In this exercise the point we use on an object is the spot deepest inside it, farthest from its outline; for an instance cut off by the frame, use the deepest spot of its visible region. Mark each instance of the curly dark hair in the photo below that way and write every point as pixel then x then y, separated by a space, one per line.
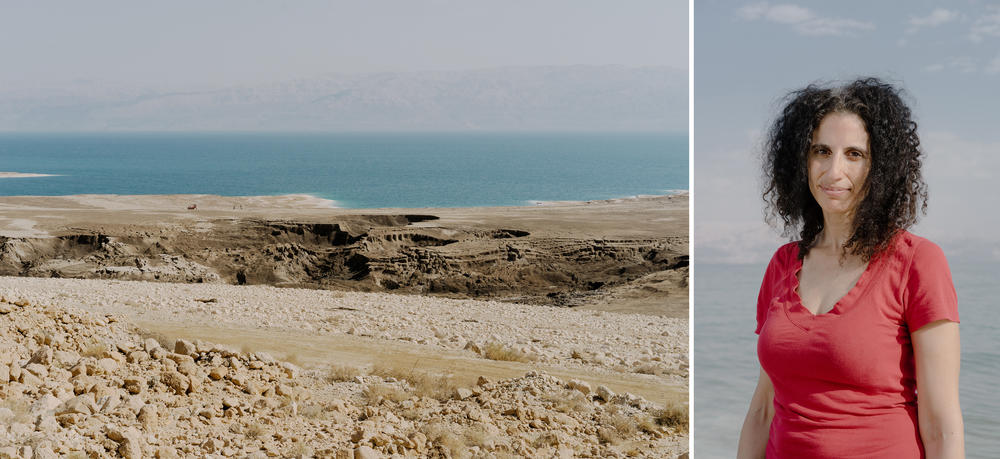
pixel 893 191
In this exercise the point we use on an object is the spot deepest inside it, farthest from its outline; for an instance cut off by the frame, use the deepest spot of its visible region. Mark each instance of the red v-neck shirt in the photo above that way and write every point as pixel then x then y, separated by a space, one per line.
pixel 844 382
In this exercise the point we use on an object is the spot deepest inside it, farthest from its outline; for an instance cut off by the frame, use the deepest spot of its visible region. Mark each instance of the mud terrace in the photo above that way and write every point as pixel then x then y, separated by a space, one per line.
pixel 92 368
pixel 622 255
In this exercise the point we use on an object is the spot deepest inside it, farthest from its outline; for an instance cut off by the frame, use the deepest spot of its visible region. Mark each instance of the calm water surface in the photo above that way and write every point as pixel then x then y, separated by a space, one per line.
pixel 355 170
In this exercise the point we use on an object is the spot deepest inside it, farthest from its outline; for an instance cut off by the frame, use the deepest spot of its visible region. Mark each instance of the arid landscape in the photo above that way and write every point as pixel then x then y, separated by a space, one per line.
pixel 280 327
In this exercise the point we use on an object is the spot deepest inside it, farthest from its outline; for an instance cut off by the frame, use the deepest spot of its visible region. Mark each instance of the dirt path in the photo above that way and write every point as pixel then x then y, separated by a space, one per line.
pixel 362 352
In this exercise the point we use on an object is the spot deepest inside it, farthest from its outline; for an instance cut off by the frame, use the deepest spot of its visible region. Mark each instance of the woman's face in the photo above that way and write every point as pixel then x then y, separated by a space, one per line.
pixel 838 161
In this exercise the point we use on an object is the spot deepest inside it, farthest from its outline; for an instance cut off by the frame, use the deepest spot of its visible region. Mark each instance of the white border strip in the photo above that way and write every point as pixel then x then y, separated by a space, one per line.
pixel 691 235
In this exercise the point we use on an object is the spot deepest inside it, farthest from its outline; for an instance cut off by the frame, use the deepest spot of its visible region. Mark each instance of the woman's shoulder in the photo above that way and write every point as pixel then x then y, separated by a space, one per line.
pixel 909 255
pixel 910 247
pixel 784 256
pixel 789 251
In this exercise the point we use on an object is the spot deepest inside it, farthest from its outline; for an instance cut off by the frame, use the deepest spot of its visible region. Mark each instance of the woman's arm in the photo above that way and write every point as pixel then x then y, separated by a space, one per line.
pixel 936 352
pixel 757 425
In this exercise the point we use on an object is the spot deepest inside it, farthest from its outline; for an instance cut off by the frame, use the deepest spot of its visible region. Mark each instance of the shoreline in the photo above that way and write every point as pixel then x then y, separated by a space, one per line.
pixel 300 200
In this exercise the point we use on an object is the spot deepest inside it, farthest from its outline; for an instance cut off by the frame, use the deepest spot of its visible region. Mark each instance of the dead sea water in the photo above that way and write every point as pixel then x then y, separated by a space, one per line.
pixel 357 170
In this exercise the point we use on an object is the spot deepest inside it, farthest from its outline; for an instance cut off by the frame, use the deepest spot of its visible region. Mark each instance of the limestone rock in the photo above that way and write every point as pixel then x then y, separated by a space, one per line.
pixel 604 393
pixel 176 381
pixel 366 452
pixel 81 404
pixel 148 418
pixel 579 385
pixel 185 347
pixel 134 384
pixel 129 441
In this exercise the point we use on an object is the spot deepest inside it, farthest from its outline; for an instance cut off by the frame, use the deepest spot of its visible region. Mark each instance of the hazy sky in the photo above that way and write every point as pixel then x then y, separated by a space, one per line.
pixel 182 44
pixel 750 54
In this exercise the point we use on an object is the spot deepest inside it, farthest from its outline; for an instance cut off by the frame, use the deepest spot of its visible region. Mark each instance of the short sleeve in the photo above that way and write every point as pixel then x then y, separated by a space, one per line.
pixel 929 293
pixel 767 286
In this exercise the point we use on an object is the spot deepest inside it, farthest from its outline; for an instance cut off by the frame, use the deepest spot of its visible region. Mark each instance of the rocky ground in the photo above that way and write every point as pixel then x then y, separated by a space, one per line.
pixel 80 384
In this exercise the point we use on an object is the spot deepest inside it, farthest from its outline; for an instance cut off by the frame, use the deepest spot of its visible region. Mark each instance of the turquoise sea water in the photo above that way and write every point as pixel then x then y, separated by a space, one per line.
pixel 725 358
pixel 355 170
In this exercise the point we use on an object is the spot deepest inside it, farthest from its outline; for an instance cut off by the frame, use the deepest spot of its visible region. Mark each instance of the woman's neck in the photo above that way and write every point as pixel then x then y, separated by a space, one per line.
pixel 837 229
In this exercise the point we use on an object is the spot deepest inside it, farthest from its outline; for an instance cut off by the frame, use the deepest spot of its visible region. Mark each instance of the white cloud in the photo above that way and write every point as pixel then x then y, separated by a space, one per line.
pixel 987 25
pixel 961 64
pixel 802 20
pixel 934 19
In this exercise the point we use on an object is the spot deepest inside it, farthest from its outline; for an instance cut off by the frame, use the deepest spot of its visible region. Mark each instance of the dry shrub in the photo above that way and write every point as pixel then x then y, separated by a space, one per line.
pixel 341 373
pixel 423 384
pixel 442 435
pixel 497 351
pixel 569 401
pixel 608 435
pixel 254 430
pixel 311 411
pixel 646 423
pixel 375 393
pixel 411 414
pixel 479 435
pixel 625 425
pixel 164 340
pixel 545 439
pixel 649 369
pixel 94 349
pixel 674 415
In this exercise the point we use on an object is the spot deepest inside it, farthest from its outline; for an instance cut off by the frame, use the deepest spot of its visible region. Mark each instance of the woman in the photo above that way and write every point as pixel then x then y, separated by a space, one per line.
pixel 858 320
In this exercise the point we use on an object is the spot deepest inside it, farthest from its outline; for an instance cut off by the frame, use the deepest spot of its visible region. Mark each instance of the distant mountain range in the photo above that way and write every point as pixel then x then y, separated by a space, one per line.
pixel 565 98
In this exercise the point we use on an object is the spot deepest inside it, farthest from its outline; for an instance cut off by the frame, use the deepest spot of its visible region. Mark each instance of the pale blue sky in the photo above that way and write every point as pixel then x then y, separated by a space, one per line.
pixel 189 44
pixel 749 54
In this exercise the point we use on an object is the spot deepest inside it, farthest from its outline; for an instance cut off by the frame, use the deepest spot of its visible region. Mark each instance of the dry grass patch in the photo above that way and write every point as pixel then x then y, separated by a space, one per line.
pixel 423 384
pixel 93 348
pixel 376 393
pixel 674 415
pixel 622 423
pixel 442 435
pixel 545 439
pixel 649 368
pixel 164 340
pixel 479 435
pixel 341 373
pixel 498 351
pixel 255 430
pixel 311 411
pixel 569 401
